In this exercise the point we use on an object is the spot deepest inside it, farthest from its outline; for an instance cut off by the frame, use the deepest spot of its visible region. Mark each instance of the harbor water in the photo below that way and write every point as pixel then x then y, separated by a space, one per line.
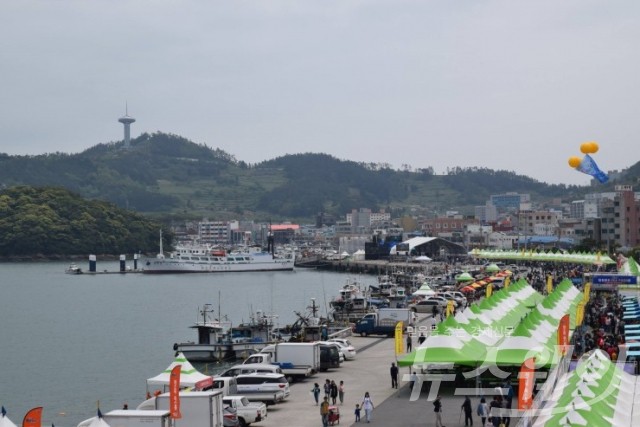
pixel 70 341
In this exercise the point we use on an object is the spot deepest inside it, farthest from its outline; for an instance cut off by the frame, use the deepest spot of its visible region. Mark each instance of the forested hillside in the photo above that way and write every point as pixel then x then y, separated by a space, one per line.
pixel 54 221
pixel 169 177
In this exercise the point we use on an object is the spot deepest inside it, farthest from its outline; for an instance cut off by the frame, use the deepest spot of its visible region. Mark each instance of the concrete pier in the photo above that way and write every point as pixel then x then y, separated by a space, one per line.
pixel 368 372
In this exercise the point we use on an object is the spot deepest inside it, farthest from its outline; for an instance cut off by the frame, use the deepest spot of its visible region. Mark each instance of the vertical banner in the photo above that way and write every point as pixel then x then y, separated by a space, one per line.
pixel 563 334
pixel 33 418
pixel 507 282
pixel 549 284
pixel 580 313
pixel 174 392
pixel 449 307
pixel 526 380
pixel 587 292
pixel 398 337
pixel 489 290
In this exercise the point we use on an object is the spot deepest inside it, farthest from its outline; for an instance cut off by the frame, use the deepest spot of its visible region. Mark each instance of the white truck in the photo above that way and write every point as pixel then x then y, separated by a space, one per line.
pixel 296 359
pixel 248 412
pixel 125 418
pixel 198 408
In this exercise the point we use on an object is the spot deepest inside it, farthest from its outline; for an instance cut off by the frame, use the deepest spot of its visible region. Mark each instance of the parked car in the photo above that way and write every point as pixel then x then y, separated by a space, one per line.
pixel 347 349
pixel 230 417
pixel 442 301
pixel 457 296
pixel 425 306
pixel 338 347
pixel 250 368
pixel 262 383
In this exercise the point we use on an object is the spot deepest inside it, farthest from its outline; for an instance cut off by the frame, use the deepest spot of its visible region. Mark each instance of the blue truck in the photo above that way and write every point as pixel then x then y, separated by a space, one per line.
pixel 383 321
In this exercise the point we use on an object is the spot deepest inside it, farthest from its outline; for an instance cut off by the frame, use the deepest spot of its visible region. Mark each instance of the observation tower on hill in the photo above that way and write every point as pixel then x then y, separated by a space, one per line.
pixel 126 120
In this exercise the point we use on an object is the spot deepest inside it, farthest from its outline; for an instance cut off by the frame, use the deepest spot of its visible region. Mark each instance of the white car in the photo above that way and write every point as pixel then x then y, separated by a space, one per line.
pixel 458 297
pixel 260 383
pixel 347 350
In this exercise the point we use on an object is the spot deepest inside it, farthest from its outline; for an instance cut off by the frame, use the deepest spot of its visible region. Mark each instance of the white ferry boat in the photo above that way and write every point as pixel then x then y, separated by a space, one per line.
pixel 207 259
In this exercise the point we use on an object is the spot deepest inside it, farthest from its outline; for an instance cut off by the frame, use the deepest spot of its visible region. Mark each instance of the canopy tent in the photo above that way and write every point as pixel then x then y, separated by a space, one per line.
pixel 189 376
pixel 492 268
pixel 630 267
pixel 596 393
pixel 424 290
pixel 4 421
pixel 464 277
pixel 422 258
pixel 530 255
pixel 515 323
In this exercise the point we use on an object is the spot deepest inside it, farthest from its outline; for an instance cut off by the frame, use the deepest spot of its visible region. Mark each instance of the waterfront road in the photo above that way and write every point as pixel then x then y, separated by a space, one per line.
pixel 368 372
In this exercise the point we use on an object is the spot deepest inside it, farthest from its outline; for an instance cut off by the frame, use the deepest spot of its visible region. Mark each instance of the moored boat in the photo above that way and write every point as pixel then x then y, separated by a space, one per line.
pixel 204 258
pixel 73 269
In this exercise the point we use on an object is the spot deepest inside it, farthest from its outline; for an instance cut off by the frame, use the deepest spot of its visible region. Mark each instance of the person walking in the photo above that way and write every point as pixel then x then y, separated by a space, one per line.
pixel 367 405
pixel 324 412
pixel 437 409
pixel 421 338
pixel 341 392
pixel 394 375
pixel 334 392
pixel 483 411
pixel 468 410
pixel 316 392
pixel 327 388
pixel 409 343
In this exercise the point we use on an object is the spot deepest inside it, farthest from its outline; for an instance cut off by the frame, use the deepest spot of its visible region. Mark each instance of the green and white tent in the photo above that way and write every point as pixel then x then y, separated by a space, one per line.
pixel 530 255
pixel 504 329
pixel 596 394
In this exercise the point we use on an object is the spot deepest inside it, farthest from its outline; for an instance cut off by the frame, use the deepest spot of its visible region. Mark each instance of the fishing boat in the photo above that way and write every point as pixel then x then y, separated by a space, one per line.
pixel 218 340
pixel 204 258
pixel 73 269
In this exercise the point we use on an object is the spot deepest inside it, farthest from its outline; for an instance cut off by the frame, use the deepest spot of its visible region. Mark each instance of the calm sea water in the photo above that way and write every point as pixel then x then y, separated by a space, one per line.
pixel 67 341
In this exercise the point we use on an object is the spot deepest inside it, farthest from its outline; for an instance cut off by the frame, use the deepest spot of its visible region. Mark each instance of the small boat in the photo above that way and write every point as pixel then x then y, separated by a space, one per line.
pixel 73 269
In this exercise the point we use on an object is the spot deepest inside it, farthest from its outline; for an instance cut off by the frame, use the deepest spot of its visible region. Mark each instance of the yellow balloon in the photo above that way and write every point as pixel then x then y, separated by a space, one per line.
pixel 574 161
pixel 589 147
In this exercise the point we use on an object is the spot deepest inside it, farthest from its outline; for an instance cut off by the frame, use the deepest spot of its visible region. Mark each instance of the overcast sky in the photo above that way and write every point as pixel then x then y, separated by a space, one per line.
pixel 514 85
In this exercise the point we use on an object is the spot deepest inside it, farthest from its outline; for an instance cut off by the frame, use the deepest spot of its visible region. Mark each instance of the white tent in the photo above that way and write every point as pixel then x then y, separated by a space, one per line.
pixel 189 376
pixel 422 258
pixel 358 255
pixel 6 422
pixel 424 290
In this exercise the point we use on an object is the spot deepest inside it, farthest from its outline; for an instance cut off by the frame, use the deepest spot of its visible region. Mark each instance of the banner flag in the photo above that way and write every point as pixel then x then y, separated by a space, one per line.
pixel 174 392
pixel 526 381
pixel 587 291
pixel 33 418
pixel 507 282
pixel 398 337
pixel 489 290
pixel 563 334
pixel 549 284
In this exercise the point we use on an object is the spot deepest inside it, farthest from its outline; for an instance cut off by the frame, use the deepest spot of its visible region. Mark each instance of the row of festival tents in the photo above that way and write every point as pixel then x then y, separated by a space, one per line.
pixel 505 329
pixel 531 255
pixel 597 393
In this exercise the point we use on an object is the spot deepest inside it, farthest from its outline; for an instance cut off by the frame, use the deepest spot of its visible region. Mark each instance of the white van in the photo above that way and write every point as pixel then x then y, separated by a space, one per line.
pixel 250 368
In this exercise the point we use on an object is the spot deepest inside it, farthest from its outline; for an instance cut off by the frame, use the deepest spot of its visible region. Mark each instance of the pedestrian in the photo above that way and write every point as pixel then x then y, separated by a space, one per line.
pixel 506 420
pixel 125 406
pixel 494 411
pixel 367 405
pixel 468 410
pixel 437 408
pixel 483 411
pixel 394 375
pixel 324 412
pixel 334 392
pixel 327 388
pixel 421 338
pixel 357 413
pixel 408 342
pixel 414 378
pixel 341 392
pixel 316 392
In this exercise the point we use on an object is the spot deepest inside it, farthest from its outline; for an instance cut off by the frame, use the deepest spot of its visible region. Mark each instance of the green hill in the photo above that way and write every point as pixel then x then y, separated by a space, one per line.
pixel 169 177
